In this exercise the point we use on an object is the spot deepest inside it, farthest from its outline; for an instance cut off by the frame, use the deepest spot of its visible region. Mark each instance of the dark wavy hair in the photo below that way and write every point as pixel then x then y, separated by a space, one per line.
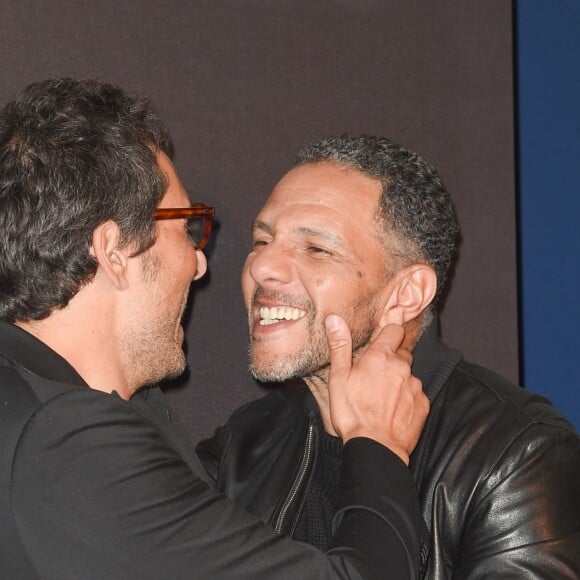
pixel 414 205
pixel 73 154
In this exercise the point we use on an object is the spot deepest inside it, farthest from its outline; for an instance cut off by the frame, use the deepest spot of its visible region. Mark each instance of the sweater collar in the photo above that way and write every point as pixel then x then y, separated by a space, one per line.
pixel 433 361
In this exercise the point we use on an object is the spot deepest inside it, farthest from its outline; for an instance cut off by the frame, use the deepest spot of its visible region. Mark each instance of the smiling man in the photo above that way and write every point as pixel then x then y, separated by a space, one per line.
pixel 309 259
pixel 365 228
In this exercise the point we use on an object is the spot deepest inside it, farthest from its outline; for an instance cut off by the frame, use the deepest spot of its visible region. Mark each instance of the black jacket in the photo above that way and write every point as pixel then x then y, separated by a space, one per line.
pixel 94 487
pixel 497 469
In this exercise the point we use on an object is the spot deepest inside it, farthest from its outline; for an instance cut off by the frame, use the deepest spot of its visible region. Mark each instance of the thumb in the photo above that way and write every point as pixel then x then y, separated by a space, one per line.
pixel 339 346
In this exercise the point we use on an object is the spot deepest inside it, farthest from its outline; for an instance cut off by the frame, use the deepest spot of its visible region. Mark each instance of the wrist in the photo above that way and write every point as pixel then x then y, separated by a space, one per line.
pixel 399 451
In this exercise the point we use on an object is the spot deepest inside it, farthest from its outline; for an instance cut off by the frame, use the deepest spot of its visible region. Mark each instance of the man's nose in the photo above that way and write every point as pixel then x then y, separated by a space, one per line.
pixel 201 265
pixel 272 265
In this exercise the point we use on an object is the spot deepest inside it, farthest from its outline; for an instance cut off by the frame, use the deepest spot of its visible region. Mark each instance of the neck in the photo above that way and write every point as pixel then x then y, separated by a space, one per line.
pixel 318 386
pixel 82 334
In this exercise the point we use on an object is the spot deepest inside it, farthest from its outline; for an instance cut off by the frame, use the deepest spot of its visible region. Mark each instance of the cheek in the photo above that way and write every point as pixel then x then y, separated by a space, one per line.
pixel 336 292
pixel 186 267
pixel 327 281
pixel 246 280
pixel 326 293
pixel 191 260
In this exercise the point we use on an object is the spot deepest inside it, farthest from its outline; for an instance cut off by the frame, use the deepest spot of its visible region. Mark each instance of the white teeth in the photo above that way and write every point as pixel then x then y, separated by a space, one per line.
pixel 276 313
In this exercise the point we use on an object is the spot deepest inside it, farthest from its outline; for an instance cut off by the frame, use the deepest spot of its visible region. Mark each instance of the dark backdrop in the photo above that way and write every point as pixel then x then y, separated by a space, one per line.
pixel 243 83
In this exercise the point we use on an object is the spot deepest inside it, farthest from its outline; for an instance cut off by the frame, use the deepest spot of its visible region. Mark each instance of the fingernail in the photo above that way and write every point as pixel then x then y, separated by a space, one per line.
pixel 332 323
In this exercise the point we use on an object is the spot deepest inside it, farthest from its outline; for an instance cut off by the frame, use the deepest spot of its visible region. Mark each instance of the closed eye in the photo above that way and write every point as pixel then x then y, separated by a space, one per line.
pixel 259 243
pixel 318 250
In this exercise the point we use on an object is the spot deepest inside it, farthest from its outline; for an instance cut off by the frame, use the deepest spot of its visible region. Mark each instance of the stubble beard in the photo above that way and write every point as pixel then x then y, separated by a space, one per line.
pixel 313 359
pixel 166 362
pixel 154 353
pixel 154 350
pixel 277 368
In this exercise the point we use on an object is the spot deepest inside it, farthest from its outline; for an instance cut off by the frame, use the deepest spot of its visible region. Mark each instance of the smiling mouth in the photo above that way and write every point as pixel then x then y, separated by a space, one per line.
pixel 276 314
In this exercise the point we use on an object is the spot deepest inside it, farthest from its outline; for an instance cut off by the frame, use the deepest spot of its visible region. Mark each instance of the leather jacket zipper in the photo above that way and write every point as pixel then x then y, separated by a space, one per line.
pixel 305 464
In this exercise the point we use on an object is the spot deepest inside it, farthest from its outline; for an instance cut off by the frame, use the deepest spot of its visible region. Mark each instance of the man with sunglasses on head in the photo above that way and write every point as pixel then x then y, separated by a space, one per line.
pixel 365 227
pixel 96 479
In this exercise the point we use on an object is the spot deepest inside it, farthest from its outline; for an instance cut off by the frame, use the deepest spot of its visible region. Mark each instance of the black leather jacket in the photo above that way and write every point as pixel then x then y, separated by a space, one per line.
pixel 497 469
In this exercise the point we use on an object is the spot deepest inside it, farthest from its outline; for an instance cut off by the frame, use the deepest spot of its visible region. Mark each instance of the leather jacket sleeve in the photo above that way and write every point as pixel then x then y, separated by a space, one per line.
pixel 524 520
pixel 498 472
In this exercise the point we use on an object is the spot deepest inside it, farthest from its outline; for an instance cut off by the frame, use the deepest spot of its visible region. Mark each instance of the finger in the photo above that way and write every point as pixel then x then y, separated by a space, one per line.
pixel 339 345
pixel 405 355
pixel 389 338
pixel 415 386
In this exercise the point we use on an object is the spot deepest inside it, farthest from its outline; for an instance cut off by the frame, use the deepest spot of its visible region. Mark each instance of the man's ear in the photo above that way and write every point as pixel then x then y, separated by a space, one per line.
pixel 410 291
pixel 112 260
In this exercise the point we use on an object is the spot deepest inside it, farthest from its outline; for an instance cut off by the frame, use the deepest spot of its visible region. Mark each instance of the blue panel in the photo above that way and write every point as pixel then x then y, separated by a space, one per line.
pixel 548 87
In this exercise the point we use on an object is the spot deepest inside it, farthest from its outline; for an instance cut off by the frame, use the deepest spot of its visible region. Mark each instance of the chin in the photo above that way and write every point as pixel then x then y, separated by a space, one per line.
pixel 277 370
pixel 269 365
pixel 168 376
pixel 270 375
pixel 167 372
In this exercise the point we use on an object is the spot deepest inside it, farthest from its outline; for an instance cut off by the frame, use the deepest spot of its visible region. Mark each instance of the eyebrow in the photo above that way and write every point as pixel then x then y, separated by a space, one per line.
pixel 259 225
pixel 304 231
